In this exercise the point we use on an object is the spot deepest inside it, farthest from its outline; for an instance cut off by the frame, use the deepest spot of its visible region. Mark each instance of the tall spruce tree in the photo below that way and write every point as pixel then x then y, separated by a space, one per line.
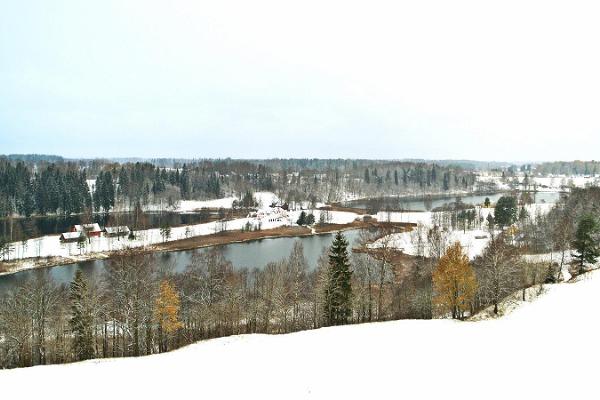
pixel 301 219
pixel 506 211
pixel 81 318
pixel 338 288
pixel 586 241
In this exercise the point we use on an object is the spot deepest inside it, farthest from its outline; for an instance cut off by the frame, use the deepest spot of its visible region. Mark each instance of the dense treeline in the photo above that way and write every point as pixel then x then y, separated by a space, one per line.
pixel 47 189
pixel 588 168
pixel 33 185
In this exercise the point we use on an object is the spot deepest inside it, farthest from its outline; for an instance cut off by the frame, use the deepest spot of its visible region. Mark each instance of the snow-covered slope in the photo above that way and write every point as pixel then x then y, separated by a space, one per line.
pixel 546 349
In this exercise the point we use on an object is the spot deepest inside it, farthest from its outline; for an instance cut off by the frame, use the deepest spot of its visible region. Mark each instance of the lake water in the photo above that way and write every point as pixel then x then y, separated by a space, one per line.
pixel 256 253
pixel 418 204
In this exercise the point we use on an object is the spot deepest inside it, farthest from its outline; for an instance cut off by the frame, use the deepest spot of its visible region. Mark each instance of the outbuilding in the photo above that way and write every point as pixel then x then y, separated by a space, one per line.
pixel 89 229
pixel 115 231
pixel 69 237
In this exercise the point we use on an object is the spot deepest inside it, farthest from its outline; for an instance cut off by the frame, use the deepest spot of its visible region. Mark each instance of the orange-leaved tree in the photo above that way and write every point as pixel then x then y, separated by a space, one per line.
pixel 454 282
pixel 166 313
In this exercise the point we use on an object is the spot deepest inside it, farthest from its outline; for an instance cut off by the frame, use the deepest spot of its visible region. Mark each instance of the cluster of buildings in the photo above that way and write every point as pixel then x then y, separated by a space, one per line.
pixel 273 213
pixel 92 230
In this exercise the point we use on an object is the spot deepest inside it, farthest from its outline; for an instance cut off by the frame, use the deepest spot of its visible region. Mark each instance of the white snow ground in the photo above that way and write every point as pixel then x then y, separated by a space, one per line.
pixel 546 349
pixel 50 246
pixel 474 241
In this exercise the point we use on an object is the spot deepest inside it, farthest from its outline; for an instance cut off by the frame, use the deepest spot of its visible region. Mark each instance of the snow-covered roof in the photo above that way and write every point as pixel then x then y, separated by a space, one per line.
pixel 70 235
pixel 88 228
pixel 92 227
pixel 116 229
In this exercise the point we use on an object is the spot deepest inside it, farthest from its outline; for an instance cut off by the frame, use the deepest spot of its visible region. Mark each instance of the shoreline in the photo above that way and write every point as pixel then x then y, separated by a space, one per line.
pixel 196 242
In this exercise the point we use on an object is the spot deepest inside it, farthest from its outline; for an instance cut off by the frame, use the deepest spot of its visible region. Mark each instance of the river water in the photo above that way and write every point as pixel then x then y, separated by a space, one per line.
pixel 257 253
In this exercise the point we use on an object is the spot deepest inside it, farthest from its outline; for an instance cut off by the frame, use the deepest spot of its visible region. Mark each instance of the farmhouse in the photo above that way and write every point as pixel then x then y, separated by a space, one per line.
pixel 89 229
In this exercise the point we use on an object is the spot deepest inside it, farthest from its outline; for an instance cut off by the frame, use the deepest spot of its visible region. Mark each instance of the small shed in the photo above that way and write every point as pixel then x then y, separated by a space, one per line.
pixel 114 231
pixel 68 237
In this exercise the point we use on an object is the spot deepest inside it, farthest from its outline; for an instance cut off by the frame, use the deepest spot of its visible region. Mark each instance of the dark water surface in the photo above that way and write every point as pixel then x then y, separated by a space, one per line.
pixel 256 253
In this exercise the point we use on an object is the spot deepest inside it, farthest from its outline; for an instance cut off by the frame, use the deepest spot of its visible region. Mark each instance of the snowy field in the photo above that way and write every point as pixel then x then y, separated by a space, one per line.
pixel 474 241
pixel 264 199
pixel 545 183
pixel 51 246
pixel 546 349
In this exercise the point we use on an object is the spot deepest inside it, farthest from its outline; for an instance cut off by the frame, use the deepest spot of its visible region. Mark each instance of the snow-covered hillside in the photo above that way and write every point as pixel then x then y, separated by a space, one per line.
pixel 545 349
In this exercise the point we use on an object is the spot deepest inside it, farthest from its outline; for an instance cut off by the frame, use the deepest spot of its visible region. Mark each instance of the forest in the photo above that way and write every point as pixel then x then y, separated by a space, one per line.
pixel 138 306
pixel 35 186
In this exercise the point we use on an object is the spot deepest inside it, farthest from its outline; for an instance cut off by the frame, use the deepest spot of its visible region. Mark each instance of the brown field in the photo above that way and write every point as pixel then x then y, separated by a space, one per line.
pixel 231 237
pixel 339 207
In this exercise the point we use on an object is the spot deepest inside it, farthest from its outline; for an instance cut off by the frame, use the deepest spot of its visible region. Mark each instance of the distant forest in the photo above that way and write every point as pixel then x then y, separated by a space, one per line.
pixel 569 168
pixel 43 185
pixel 50 185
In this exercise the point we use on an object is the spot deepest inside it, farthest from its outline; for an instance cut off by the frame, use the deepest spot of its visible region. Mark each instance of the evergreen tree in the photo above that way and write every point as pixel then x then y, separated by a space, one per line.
pixel 98 191
pixel 446 181
pixel 108 200
pixel 586 241
pixel 81 318
pixel 310 219
pixel 367 176
pixel 491 222
pixel 248 200
pixel 104 195
pixel 184 183
pixel 165 231
pixel 487 202
pixel 506 211
pixel 338 288
pixel 301 219
pixel 123 183
pixel 28 201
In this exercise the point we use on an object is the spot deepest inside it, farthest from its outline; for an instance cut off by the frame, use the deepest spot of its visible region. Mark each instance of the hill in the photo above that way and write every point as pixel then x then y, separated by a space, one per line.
pixel 544 349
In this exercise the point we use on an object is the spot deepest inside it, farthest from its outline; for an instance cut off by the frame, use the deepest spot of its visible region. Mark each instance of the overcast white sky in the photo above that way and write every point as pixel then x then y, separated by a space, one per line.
pixel 501 80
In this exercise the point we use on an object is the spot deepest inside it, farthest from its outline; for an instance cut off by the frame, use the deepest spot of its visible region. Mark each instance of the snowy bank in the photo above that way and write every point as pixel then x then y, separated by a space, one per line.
pixel 516 356
pixel 99 247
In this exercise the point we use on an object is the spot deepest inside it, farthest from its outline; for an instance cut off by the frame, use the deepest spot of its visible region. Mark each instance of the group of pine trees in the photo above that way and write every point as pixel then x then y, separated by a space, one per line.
pixel 422 175
pixel 47 186
pixel 50 189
